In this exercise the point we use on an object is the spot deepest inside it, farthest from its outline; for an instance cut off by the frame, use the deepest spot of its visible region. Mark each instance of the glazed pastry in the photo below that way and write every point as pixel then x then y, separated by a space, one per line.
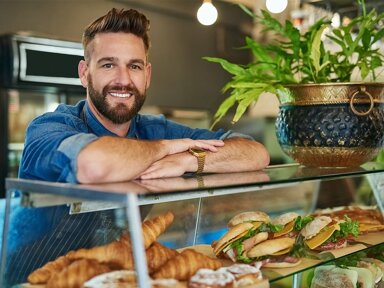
pixel 42 275
pixel 117 254
pixel 152 228
pixel 185 264
pixel 207 278
pixel 76 274
pixel 167 283
pixel 114 279
pixel 157 255
pixel 244 274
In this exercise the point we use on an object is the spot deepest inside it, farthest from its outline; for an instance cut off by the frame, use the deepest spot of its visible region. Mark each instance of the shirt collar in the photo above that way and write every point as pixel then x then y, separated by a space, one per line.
pixel 97 128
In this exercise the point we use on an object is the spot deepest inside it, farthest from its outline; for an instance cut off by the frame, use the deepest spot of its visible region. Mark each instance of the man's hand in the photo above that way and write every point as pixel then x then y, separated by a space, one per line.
pixel 170 166
pixel 180 145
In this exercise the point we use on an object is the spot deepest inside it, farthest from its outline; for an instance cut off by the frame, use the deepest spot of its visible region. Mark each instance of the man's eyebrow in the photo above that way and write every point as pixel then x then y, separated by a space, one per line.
pixel 106 59
pixel 114 59
pixel 141 61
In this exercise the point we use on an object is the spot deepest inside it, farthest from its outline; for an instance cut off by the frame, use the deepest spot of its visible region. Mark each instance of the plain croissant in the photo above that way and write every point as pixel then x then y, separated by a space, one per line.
pixel 42 275
pixel 117 254
pixel 157 255
pixel 185 265
pixel 76 274
pixel 154 227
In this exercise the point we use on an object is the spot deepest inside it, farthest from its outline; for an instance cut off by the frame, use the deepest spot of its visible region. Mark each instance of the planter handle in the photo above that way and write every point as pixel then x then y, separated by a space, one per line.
pixel 362 90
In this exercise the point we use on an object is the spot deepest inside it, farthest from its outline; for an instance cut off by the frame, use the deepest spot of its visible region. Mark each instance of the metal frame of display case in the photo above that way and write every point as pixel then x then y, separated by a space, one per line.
pixel 132 196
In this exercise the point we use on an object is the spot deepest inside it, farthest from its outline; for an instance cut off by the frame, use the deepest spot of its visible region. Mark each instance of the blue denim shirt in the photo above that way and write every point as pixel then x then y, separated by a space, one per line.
pixel 54 139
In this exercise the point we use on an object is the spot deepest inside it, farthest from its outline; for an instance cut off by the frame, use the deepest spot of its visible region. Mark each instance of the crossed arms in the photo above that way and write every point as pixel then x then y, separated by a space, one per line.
pixel 114 159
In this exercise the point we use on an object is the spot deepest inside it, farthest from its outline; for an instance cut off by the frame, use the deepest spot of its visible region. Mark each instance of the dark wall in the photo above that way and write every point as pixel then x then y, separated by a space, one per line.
pixel 180 79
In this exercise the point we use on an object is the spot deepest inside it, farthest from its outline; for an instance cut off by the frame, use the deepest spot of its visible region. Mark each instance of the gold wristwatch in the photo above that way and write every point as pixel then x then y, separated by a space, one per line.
pixel 200 155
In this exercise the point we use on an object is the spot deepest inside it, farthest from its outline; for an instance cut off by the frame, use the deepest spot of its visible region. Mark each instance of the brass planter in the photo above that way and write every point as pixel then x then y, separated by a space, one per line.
pixel 331 125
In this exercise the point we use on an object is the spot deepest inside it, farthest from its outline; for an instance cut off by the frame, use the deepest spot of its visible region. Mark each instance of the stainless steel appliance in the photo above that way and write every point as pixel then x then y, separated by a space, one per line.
pixel 36 74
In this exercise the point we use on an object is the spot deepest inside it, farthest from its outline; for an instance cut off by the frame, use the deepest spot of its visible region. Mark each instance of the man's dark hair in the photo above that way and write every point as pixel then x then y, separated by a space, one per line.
pixel 128 21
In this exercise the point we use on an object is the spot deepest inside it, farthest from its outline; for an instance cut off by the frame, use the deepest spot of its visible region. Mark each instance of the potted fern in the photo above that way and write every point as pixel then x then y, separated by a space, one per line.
pixel 325 118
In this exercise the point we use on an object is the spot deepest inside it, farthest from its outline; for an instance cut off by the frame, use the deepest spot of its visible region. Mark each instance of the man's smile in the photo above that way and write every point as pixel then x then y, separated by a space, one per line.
pixel 121 95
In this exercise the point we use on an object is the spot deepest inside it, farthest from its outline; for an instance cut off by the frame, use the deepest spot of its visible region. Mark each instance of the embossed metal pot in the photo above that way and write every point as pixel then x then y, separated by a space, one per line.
pixel 331 125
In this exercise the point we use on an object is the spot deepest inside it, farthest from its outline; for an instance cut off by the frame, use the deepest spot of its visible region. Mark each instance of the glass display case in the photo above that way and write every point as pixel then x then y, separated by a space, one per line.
pixel 36 74
pixel 45 220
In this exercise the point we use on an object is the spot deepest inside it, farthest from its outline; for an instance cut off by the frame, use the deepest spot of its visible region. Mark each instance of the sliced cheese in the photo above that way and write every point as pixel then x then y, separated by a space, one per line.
pixel 287 228
pixel 321 237
pixel 257 224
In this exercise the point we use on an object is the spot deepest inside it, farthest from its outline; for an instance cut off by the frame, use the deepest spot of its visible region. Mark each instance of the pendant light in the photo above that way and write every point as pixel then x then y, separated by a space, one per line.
pixel 207 13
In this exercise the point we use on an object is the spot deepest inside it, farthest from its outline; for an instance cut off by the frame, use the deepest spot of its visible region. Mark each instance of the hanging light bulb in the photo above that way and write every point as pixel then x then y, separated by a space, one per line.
pixel 207 13
pixel 276 6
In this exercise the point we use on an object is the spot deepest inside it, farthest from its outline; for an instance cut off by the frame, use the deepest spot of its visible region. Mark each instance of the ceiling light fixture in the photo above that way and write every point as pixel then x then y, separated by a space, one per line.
pixel 276 6
pixel 207 13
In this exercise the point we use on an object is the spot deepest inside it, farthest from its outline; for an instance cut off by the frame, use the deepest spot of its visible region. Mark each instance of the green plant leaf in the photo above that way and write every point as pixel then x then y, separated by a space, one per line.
pixel 315 54
pixel 230 67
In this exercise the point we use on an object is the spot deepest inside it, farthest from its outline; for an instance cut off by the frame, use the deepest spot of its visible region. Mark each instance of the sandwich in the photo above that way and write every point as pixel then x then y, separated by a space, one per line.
pixel 274 253
pixel 333 276
pixel 323 233
pixel 254 217
pixel 291 224
pixel 245 231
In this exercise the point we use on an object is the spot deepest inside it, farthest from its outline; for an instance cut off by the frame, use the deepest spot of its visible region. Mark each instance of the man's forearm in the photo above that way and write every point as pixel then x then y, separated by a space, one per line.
pixel 237 155
pixel 111 159
pixel 114 159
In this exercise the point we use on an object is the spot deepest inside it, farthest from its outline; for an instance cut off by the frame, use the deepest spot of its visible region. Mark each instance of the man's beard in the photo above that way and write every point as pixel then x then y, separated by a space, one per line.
pixel 120 113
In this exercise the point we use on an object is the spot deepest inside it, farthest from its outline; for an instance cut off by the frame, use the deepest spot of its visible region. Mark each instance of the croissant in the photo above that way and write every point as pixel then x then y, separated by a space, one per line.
pixel 42 275
pixel 152 228
pixel 76 274
pixel 117 254
pixel 185 265
pixel 157 255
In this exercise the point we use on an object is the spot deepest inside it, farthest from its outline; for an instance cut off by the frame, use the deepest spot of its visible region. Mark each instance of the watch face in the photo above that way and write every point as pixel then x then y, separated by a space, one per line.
pixel 197 150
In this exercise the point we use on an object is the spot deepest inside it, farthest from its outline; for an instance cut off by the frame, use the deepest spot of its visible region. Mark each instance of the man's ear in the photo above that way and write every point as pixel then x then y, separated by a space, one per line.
pixel 83 75
pixel 149 74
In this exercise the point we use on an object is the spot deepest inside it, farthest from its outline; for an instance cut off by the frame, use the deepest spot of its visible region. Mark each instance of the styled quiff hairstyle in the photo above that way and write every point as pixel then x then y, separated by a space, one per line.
pixel 127 21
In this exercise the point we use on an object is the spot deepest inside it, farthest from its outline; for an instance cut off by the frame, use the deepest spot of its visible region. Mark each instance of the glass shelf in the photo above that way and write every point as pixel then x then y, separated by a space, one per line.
pixel 192 186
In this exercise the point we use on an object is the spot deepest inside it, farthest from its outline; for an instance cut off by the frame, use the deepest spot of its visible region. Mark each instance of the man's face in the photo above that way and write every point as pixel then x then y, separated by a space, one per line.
pixel 116 75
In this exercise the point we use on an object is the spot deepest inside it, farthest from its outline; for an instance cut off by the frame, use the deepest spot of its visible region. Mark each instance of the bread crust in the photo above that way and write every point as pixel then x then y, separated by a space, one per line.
pixel 233 234
pixel 285 218
pixel 270 247
pixel 249 216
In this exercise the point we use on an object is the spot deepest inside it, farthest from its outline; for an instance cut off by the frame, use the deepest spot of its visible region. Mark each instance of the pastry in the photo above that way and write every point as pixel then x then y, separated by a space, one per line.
pixel 244 274
pixel 114 279
pixel 185 264
pixel 117 254
pixel 207 278
pixel 157 255
pixel 152 228
pixel 42 275
pixel 76 274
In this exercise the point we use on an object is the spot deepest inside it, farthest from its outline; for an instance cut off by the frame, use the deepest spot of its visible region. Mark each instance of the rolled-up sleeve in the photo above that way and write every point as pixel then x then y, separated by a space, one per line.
pixel 71 148
pixel 230 134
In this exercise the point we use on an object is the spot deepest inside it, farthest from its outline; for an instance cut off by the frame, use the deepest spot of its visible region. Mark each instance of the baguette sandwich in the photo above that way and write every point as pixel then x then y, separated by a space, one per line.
pixel 246 230
pixel 323 233
pixel 249 239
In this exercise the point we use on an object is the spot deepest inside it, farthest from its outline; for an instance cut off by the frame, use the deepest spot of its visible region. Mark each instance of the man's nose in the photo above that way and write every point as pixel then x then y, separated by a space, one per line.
pixel 124 76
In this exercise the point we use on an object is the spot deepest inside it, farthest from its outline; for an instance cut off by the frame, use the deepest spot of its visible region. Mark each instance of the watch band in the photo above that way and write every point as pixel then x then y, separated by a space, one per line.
pixel 200 155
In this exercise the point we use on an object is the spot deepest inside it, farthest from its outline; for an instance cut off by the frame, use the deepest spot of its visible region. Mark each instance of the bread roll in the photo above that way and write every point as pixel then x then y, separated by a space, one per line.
pixel 250 216
pixel 269 247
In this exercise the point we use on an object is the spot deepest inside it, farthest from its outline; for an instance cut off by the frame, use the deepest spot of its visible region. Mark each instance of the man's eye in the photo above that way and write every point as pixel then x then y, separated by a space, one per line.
pixel 107 65
pixel 136 67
